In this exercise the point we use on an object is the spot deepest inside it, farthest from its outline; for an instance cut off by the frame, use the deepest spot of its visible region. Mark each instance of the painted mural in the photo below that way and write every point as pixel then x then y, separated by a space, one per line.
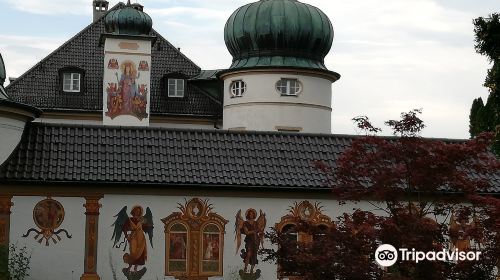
pixel 194 241
pixel 133 228
pixel 126 96
pixel 253 228
pixel 303 211
pixel 48 216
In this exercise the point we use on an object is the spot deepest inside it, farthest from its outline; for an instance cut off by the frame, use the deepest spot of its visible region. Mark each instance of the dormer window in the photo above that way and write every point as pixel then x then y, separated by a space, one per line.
pixel 288 87
pixel 71 82
pixel 71 79
pixel 176 88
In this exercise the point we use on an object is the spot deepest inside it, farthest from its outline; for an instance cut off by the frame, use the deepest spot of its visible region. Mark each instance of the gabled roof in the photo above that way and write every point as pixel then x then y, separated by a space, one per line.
pixel 76 154
pixel 39 86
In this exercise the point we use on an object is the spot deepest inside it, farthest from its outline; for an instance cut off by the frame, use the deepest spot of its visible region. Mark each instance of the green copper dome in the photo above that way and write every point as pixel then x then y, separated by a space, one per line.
pixel 129 20
pixel 278 33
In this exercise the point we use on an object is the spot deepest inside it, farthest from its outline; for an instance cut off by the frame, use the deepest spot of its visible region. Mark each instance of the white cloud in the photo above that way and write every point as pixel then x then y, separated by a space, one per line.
pixel 20 53
pixel 393 55
pixel 52 7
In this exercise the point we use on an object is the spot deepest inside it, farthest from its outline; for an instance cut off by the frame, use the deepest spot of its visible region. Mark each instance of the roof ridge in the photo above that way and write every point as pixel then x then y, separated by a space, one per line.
pixel 218 131
pixel 223 131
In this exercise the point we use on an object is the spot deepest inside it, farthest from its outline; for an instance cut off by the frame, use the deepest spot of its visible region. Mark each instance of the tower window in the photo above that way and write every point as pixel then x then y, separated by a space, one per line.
pixel 175 88
pixel 71 82
pixel 288 87
pixel 238 88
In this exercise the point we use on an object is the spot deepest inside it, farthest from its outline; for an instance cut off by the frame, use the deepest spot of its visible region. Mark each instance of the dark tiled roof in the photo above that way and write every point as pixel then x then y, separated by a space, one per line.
pixel 207 75
pixel 56 153
pixel 98 154
pixel 39 86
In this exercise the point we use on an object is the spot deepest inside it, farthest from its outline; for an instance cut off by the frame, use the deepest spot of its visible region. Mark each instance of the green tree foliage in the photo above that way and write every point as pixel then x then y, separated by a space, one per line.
pixel 14 262
pixel 4 262
pixel 486 117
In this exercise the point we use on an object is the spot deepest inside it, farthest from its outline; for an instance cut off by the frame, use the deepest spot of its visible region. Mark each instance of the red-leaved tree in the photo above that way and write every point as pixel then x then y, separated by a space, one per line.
pixel 425 194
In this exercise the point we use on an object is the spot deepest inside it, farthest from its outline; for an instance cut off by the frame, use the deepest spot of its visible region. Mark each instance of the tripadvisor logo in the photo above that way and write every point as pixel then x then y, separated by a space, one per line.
pixel 387 255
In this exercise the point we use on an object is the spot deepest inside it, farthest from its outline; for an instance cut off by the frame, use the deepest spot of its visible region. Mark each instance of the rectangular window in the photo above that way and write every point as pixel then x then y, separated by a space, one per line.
pixel 175 88
pixel 71 82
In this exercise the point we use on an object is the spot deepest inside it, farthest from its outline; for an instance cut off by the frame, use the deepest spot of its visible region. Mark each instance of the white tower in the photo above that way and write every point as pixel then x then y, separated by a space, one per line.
pixel 278 80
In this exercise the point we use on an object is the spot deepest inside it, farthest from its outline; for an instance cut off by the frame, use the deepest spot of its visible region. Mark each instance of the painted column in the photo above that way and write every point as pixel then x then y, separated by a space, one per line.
pixel 5 205
pixel 91 226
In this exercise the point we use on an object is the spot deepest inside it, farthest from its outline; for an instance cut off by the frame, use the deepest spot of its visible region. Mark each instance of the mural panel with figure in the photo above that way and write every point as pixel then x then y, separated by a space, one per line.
pixel 178 240
pixel 194 241
pixel 253 228
pixel 126 87
pixel 126 96
pixel 133 228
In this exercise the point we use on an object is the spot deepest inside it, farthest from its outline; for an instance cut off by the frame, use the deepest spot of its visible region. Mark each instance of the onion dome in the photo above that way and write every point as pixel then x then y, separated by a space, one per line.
pixel 128 20
pixel 278 33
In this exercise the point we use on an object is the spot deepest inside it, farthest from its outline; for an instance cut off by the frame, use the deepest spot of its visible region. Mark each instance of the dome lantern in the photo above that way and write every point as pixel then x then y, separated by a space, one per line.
pixel 278 33
pixel 129 20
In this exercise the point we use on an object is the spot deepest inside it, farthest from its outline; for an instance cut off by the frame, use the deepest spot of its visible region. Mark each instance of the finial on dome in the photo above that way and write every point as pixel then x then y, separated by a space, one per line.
pixel 128 20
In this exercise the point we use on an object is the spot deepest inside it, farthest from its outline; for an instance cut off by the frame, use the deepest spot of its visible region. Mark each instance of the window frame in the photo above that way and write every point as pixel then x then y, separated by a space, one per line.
pixel 238 91
pixel 73 77
pixel 72 72
pixel 288 87
pixel 176 86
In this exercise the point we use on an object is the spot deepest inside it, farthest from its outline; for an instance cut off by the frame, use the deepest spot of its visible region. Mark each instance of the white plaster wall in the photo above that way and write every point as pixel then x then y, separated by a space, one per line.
pixel 267 117
pixel 11 131
pixel 227 207
pixel 263 108
pixel 63 260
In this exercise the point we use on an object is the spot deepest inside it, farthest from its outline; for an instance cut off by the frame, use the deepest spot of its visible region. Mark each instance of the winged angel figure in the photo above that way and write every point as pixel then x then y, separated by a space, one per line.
pixel 133 228
pixel 254 236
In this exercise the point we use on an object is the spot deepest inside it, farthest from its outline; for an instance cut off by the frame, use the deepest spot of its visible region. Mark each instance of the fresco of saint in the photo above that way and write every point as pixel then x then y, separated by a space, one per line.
pixel 134 230
pixel 211 250
pixel 178 246
pixel 128 98
pixel 253 229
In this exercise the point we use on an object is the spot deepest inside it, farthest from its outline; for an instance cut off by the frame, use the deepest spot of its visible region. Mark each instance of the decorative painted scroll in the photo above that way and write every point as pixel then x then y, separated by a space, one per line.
pixel 133 229
pixel 194 241
pixel 48 216
pixel 253 228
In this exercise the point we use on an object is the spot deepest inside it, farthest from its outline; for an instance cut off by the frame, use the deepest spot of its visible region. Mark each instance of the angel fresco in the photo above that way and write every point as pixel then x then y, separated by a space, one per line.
pixel 253 229
pixel 134 230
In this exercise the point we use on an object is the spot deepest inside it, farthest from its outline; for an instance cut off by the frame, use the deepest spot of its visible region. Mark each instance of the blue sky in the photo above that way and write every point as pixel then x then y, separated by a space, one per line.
pixel 393 55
